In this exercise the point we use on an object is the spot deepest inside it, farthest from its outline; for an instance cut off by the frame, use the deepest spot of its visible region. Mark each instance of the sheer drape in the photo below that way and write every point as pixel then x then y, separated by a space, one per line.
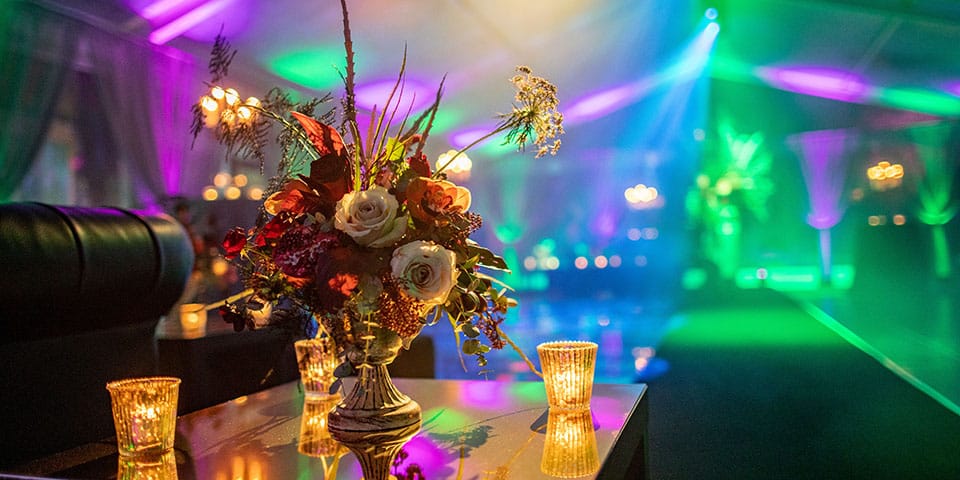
pixel 147 90
pixel 97 146
pixel 132 111
pixel 36 53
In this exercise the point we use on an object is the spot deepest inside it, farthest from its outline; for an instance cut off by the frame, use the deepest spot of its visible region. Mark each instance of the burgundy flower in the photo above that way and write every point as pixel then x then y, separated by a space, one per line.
pixel 329 174
pixel 273 230
pixel 233 317
pixel 420 165
pixel 301 250
pixel 234 242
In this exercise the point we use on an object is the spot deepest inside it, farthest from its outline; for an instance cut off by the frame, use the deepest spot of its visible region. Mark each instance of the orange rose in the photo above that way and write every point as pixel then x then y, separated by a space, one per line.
pixel 429 200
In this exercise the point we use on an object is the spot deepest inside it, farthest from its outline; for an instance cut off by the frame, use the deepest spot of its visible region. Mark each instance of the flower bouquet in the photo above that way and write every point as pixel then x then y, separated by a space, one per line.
pixel 358 231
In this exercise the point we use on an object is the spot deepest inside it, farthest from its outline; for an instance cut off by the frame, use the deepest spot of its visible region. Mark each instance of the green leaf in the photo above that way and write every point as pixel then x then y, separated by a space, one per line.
pixel 487 258
pixel 471 347
pixel 345 369
pixel 492 280
pixel 470 330
pixel 394 150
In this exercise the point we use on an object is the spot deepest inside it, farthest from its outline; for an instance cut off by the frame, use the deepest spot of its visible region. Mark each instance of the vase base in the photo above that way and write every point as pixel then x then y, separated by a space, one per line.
pixel 385 418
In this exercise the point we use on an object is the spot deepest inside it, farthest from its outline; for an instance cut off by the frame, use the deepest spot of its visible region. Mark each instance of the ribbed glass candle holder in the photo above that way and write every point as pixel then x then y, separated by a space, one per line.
pixel 315 439
pixel 163 467
pixel 144 414
pixel 317 359
pixel 568 368
pixel 570 447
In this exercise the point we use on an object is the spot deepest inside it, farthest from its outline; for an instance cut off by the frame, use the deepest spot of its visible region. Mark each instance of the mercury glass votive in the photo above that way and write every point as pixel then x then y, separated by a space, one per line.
pixel 570 447
pixel 144 414
pixel 317 359
pixel 568 368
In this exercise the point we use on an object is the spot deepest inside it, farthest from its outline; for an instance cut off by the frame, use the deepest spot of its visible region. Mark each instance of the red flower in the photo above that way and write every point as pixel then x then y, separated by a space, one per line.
pixel 420 165
pixel 234 242
pixel 273 230
pixel 344 283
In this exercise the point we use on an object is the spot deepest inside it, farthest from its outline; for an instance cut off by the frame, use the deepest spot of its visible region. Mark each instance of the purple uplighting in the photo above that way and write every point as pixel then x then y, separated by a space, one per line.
pixel 410 92
pixel 600 407
pixel 431 458
pixel 821 155
pixel 601 103
pixel 823 82
pixel 466 137
pixel 484 395
pixel 191 18
pixel 953 88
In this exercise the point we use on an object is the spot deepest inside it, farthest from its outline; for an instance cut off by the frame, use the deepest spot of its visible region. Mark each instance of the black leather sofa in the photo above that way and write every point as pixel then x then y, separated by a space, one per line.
pixel 81 291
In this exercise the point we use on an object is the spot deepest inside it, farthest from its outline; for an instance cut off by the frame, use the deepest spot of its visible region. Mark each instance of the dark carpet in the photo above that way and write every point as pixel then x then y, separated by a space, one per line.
pixel 757 388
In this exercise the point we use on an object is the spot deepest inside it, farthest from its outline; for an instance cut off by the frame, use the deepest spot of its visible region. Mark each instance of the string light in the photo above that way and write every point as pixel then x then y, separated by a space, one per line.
pixel 460 166
pixel 641 196
pixel 885 175
pixel 223 106
pixel 231 187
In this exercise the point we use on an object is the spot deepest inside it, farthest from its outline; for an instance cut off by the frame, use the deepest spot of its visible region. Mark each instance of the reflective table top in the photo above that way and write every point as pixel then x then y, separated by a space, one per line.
pixel 470 429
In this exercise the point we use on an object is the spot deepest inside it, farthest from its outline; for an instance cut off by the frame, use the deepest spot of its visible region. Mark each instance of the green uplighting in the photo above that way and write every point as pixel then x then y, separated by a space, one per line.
pixel 314 68
pixel 497 146
pixel 529 391
pixel 743 327
pixel 919 100
pixel 444 121
pixel 694 279
pixel 445 419
pixel 794 278
pixel 509 233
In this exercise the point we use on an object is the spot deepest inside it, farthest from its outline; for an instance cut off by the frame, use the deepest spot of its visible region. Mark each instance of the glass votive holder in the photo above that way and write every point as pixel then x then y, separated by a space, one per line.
pixel 568 368
pixel 144 414
pixel 570 447
pixel 193 318
pixel 316 359
pixel 163 467
pixel 315 439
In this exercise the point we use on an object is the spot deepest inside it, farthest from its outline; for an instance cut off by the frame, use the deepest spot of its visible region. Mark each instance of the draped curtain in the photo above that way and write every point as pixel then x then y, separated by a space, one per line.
pixel 148 95
pixel 36 53
pixel 133 104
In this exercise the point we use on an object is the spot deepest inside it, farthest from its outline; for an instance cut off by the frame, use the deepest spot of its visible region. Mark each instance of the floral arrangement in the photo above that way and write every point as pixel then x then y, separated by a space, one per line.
pixel 357 230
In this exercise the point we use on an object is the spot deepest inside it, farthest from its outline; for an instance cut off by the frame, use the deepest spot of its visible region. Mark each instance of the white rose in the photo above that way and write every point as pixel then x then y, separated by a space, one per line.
pixel 426 270
pixel 370 217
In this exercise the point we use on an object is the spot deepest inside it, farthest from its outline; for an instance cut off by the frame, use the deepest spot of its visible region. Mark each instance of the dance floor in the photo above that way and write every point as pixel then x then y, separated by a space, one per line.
pixel 756 383
pixel 914 334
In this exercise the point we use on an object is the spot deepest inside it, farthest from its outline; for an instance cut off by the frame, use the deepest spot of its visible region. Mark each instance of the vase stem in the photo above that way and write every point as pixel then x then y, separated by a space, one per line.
pixel 373 404
pixel 374 390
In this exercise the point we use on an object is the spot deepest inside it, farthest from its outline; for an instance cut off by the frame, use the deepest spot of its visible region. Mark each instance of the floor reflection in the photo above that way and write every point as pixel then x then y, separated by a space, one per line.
pixel 913 329
pixel 626 330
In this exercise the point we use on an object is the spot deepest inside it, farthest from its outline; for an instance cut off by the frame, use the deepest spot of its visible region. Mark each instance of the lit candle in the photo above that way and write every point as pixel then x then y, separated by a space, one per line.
pixel 193 317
